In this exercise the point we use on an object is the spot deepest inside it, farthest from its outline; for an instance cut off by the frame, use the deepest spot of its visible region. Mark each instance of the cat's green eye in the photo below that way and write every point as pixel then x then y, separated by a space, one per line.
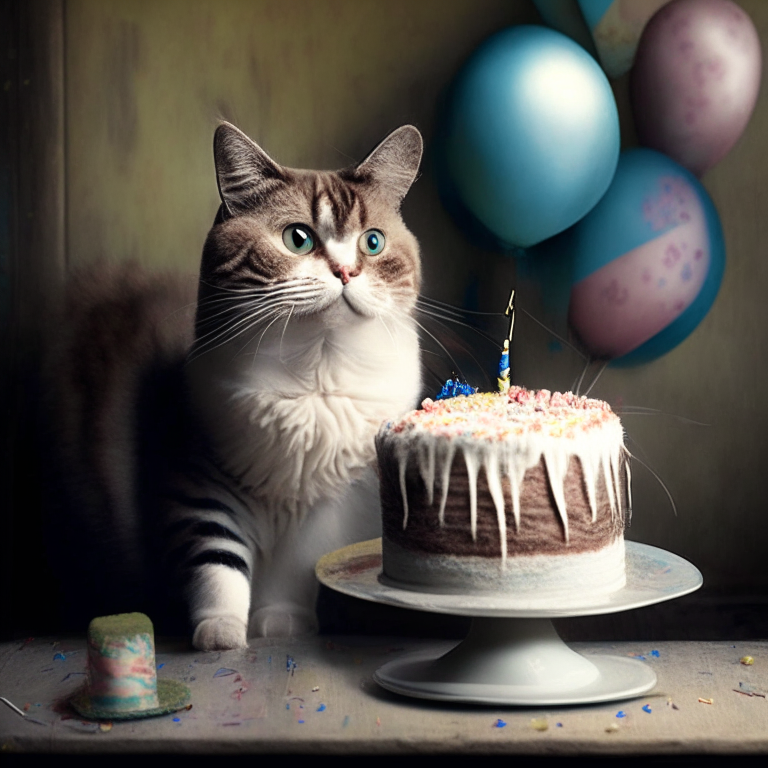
pixel 298 239
pixel 372 242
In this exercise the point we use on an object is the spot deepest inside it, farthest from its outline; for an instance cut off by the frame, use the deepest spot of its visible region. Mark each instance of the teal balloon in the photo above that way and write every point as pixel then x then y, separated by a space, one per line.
pixel 529 136
pixel 646 263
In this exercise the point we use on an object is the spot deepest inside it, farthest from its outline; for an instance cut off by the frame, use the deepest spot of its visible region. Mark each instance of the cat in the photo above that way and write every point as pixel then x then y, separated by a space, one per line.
pixel 221 443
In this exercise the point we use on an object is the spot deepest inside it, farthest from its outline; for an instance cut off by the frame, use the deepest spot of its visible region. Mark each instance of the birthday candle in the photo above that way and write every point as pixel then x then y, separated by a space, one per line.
pixel 503 379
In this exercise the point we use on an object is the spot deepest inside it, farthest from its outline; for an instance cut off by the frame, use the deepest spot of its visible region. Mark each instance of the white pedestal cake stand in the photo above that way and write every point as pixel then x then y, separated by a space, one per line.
pixel 513 654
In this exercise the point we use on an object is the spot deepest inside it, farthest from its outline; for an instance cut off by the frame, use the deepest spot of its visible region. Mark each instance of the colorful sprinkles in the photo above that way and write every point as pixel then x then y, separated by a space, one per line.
pixel 499 415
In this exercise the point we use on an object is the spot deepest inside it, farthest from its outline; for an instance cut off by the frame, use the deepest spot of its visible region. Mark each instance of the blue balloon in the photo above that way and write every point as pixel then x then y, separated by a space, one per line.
pixel 529 137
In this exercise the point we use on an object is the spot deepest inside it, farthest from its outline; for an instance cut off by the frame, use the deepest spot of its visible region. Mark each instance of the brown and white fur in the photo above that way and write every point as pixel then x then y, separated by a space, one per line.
pixel 248 440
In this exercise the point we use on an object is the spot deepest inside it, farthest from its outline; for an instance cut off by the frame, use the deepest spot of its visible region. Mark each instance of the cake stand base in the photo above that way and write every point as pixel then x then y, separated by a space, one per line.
pixel 513 655
pixel 515 661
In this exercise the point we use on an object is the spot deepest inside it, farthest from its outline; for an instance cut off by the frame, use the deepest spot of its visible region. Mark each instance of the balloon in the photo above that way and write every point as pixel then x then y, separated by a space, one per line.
pixel 616 26
pixel 647 261
pixel 530 135
pixel 695 80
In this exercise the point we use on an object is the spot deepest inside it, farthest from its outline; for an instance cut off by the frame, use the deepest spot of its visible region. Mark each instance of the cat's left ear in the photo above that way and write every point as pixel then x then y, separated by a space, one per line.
pixel 394 164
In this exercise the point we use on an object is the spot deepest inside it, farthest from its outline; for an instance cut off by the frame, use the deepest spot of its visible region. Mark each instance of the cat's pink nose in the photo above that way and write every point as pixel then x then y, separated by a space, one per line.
pixel 344 273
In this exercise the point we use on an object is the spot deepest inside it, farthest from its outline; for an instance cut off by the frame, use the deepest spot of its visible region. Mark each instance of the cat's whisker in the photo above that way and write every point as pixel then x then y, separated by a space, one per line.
pixel 597 376
pixel 481 367
pixel 282 335
pixel 267 287
pixel 479 332
pixel 441 345
pixel 457 310
pixel 395 345
pixel 639 410
pixel 242 306
pixel 576 386
pixel 261 338
pixel 232 331
pixel 658 479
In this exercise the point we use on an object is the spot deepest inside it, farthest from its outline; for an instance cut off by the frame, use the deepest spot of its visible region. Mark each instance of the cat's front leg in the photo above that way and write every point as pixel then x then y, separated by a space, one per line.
pixel 214 564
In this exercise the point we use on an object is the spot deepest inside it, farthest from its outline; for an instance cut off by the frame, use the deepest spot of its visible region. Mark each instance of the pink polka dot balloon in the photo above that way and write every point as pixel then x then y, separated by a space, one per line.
pixel 647 261
pixel 695 80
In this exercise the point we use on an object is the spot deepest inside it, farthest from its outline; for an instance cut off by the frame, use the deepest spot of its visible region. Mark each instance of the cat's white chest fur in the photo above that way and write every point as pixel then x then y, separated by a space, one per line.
pixel 294 422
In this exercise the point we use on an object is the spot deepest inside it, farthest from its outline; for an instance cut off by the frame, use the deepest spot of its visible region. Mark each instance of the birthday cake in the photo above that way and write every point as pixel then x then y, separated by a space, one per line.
pixel 518 492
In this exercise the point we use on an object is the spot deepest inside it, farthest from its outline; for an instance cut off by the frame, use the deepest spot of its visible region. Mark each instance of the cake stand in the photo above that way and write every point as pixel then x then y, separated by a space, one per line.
pixel 513 654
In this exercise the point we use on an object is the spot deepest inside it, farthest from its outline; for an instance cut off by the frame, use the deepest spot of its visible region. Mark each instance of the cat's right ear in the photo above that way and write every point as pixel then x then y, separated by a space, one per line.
pixel 245 173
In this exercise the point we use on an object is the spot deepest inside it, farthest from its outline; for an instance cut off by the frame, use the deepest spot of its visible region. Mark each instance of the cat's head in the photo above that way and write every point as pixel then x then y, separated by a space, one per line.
pixel 312 243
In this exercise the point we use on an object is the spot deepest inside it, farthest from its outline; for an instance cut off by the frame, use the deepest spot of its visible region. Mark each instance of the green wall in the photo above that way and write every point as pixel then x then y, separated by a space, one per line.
pixel 317 84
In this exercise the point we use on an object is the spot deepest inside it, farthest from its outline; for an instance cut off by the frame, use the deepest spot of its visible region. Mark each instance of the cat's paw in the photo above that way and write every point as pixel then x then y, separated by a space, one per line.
pixel 283 620
pixel 223 633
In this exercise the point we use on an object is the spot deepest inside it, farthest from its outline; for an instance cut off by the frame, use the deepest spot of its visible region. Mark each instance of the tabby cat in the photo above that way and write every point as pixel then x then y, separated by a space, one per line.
pixel 221 444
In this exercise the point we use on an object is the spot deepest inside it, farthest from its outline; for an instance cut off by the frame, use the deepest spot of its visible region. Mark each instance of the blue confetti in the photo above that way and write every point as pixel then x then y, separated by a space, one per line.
pixel 499 724
pixel 71 674
pixel 621 713
pixel 288 706
pixel 321 708
pixel 176 719
pixel 160 666
pixel 59 657
pixel 224 672
pixel 453 388
pixel 559 725
pixel 647 708
pixel 346 721
pixel 301 721
pixel 655 653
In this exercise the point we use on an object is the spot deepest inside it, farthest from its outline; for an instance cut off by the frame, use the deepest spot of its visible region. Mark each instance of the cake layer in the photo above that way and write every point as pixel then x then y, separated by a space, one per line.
pixel 554 580
pixel 436 526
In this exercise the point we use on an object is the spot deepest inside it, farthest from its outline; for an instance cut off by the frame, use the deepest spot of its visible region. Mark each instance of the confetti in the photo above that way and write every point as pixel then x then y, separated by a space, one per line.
pixel 672 704
pixel 655 654
pixel 706 701
pixel 59 657
pixel 316 689
pixel 224 672
pixel 647 708
pixel 321 708
pixel 176 719
pixel 612 728
pixel 621 713
pixel 346 721
pixel 747 661
pixel 539 724
pixel 499 724
pixel 105 727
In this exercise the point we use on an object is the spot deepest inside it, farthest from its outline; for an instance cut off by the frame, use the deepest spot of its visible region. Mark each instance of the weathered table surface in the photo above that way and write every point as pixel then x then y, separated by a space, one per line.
pixel 316 695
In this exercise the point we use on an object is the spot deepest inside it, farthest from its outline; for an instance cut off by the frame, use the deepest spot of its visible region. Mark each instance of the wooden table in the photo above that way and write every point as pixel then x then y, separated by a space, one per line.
pixel 316 695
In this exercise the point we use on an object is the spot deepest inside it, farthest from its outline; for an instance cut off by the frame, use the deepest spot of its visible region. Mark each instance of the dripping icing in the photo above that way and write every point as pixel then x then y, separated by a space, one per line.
pixel 600 452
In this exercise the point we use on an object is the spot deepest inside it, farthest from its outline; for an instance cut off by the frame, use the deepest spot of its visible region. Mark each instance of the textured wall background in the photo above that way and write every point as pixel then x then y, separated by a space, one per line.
pixel 318 84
